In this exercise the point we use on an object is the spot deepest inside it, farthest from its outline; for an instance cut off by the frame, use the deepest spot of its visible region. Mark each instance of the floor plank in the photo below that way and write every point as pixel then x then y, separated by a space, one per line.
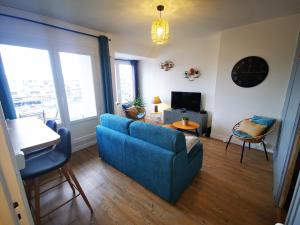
pixel 223 192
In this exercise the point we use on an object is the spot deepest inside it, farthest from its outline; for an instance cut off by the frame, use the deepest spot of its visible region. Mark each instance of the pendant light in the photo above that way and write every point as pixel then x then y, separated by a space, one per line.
pixel 160 29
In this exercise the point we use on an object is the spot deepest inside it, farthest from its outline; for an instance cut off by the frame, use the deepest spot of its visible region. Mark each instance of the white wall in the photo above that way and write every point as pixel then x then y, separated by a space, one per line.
pixel 275 41
pixel 201 53
pixel 215 55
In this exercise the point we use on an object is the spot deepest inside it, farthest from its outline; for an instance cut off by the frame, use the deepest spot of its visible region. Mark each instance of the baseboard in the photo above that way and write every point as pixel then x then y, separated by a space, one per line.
pixel 219 137
pixel 235 141
pixel 83 142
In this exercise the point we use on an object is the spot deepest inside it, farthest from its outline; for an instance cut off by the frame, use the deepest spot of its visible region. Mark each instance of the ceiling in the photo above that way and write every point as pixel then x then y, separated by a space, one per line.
pixel 132 18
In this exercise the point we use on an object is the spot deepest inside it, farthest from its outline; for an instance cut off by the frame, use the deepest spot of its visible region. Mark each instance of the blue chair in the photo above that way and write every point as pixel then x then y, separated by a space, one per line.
pixel 57 158
pixel 52 125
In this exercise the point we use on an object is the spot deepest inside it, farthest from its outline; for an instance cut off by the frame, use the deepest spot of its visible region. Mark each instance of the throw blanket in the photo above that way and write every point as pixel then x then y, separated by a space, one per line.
pixel 190 141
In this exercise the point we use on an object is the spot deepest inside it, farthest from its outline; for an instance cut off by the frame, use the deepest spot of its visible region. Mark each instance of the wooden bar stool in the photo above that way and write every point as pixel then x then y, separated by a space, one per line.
pixel 56 159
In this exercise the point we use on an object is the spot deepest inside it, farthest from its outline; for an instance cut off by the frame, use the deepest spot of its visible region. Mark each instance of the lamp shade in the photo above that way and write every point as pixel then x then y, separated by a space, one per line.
pixel 160 31
pixel 156 100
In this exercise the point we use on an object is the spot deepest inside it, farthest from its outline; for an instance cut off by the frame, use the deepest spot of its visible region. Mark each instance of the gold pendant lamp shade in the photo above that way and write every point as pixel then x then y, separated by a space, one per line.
pixel 160 29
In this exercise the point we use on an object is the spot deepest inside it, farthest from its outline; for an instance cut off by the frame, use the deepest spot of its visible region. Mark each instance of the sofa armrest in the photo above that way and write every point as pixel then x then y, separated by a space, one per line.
pixel 185 168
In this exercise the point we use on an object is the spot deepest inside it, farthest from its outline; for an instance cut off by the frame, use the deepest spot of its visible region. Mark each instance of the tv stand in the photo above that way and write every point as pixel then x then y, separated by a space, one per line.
pixel 183 110
pixel 173 115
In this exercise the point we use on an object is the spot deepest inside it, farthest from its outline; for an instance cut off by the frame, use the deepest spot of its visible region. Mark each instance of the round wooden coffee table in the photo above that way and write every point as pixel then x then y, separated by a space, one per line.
pixel 190 126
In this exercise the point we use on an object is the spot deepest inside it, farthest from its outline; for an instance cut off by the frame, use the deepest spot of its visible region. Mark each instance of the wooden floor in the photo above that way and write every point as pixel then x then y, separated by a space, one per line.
pixel 223 192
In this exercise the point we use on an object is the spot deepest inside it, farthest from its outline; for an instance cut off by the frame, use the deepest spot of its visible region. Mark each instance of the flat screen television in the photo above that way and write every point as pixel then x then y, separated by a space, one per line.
pixel 186 100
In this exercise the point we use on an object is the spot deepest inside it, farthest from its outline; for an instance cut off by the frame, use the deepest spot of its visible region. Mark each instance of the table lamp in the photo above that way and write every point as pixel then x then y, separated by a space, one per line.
pixel 156 100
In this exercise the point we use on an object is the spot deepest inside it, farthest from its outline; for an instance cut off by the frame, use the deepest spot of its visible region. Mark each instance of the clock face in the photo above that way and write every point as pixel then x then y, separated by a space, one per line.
pixel 250 71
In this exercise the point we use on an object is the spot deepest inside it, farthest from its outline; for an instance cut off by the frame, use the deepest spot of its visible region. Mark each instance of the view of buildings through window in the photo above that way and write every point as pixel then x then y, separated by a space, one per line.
pixel 125 81
pixel 79 86
pixel 30 80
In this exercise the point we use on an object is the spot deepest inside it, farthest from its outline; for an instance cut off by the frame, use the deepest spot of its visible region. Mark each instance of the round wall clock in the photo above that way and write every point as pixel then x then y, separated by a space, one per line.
pixel 250 71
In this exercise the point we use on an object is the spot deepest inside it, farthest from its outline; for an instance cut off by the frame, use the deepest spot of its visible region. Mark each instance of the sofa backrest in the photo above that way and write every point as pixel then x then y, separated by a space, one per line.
pixel 166 138
pixel 115 122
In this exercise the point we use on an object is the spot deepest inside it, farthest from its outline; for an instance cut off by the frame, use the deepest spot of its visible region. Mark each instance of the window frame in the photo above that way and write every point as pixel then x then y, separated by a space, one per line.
pixel 53 49
pixel 117 78
pixel 94 86
pixel 57 92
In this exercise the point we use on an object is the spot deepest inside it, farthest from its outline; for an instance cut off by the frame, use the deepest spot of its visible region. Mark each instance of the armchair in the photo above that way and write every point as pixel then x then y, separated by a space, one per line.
pixel 134 112
pixel 269 124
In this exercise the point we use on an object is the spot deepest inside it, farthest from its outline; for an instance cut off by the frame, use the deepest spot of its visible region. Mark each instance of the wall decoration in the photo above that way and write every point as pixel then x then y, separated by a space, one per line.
pixel 250 71
pixel 192 74
pixel 167 65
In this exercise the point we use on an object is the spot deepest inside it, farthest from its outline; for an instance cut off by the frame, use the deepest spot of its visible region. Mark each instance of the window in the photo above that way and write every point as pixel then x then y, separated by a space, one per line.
pixel 78 79
pixel 124 81
pixel 75 107
pixel 30 80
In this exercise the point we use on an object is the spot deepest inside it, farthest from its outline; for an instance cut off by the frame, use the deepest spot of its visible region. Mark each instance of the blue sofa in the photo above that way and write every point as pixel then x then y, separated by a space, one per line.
pixel 154 156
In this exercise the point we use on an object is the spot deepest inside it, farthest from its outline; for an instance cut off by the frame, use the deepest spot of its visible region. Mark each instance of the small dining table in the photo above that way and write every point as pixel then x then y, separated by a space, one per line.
pixel 28 134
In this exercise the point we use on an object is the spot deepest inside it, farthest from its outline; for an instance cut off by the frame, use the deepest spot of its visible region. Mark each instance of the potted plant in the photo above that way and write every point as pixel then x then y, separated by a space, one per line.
pixel 139 104
pixel 184 120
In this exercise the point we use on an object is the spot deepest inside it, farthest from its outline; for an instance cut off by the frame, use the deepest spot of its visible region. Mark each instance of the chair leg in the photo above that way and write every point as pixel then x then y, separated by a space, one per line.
pixel 242 152
pixel 69 170
pixel 229 141
pixel 266 153
pixel 37 212
pixel 65 173
pixel 249 145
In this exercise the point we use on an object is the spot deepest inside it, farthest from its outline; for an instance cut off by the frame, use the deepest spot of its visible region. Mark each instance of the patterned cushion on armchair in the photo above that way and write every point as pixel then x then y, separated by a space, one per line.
pixel 126 106
pixel 263 120
pixel 251 128
pixel 132 112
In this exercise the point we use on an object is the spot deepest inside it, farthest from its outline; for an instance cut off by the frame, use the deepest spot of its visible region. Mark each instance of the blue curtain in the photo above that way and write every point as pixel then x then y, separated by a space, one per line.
pixel 134 64
pixel 106 74
pixel 5 96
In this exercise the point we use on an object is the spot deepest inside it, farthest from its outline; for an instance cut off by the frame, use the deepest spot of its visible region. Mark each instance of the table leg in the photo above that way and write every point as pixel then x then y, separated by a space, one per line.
pixel 197 132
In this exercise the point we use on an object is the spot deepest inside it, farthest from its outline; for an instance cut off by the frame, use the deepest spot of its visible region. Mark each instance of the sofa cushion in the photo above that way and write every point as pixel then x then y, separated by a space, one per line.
pixel 115 122
pixel 172 140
